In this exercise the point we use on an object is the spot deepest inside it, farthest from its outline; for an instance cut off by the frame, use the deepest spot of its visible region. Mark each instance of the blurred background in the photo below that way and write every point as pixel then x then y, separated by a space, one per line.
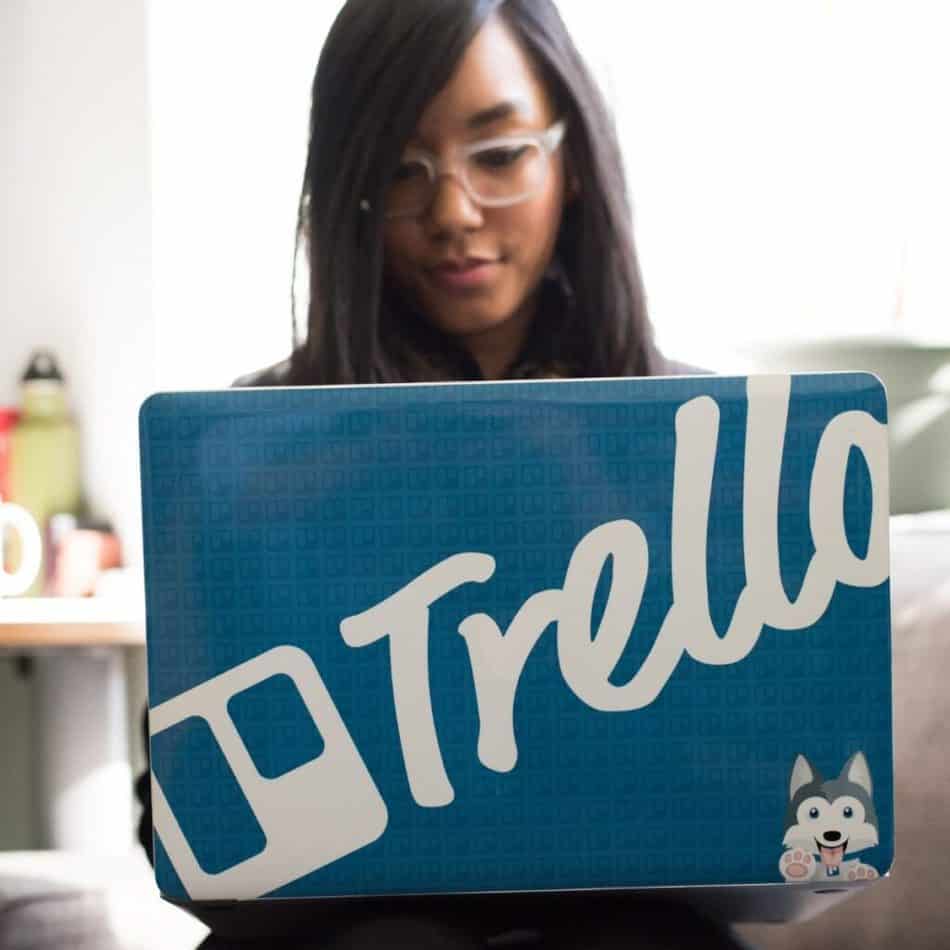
pixel 787 164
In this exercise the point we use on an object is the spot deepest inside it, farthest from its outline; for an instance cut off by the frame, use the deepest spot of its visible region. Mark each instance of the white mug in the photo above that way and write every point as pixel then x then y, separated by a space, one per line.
pixel 16 518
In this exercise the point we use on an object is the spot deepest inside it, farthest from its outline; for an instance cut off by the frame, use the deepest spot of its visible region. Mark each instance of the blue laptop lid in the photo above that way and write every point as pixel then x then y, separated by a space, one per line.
pixel 518 636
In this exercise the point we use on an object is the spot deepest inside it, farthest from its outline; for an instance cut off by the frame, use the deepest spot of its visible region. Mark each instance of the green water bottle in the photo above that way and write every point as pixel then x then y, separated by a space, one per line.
pixel 44 474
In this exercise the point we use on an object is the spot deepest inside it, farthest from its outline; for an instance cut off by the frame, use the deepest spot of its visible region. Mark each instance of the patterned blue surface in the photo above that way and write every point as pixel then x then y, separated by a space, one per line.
pixel 211 806
pixel 271 515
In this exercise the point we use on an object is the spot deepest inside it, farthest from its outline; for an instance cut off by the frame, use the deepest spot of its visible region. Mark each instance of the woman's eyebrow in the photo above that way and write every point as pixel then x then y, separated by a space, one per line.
pixel 501 110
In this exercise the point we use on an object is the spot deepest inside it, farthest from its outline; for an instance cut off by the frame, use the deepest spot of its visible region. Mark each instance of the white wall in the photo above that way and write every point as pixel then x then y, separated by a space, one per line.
pixel 75 230
pixel 786 163
pixel 229 99
pixel 74 266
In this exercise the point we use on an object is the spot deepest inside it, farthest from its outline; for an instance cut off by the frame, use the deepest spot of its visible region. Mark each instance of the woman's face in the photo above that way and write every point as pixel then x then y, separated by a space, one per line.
pixel 473 270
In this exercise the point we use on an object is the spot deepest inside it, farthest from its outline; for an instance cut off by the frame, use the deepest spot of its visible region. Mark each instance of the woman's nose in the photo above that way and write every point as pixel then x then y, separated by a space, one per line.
pixel 452 208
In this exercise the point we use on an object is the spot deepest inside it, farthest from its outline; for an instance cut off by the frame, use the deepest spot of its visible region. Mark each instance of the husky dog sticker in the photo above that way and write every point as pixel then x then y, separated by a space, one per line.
pixel 827 820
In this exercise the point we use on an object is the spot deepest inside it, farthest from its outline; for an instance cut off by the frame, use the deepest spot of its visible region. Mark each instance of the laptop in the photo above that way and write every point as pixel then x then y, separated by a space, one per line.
pixel 474 640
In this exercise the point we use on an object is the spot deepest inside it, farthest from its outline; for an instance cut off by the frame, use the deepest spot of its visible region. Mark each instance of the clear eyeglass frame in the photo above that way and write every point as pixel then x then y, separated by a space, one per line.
pixel 456 165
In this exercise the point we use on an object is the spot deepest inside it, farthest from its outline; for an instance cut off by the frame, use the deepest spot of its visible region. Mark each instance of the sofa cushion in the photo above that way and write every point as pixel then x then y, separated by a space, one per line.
pixel 42 910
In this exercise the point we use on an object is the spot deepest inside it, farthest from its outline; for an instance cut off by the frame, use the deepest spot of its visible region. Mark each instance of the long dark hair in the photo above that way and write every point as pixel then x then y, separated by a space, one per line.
pixel 383 61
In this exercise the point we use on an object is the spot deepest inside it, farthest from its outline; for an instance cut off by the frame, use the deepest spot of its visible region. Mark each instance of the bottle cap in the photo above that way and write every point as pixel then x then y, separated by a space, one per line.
pixel 42 367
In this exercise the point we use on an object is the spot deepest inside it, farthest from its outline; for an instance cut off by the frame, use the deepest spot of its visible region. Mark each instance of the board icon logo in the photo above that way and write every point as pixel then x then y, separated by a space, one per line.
pixel 313 815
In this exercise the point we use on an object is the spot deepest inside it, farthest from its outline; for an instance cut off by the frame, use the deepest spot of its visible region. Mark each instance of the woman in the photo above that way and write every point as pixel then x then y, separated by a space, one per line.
pixel 464 216
pixel 430 260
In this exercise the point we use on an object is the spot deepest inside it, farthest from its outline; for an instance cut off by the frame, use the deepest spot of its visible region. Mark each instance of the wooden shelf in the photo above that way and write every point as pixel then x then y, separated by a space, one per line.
pixel 70 621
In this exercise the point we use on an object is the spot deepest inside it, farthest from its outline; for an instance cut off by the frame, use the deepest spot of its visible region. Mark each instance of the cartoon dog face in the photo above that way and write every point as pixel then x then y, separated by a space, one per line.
pixel 831 818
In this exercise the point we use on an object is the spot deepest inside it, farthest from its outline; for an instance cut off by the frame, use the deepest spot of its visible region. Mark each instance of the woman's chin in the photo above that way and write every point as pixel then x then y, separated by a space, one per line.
pixel 473 323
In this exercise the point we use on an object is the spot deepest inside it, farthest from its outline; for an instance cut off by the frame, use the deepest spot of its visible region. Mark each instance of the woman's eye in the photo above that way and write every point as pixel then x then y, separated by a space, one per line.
pixel 813 812
pixel 848 811
pixel 500 157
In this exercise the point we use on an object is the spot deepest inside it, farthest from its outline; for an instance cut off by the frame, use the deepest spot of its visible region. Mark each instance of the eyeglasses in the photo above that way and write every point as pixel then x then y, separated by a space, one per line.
pixel 494 172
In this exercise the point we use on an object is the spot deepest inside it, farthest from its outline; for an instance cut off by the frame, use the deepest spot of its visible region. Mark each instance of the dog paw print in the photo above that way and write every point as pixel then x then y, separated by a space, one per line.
pixel 797 865
pixel 862 872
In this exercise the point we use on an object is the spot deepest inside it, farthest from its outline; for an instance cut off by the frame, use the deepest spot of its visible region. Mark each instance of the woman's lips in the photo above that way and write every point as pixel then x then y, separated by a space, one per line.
pixel 467 275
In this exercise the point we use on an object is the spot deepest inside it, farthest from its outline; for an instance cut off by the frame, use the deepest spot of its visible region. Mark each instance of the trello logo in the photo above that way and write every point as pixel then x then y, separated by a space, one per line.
pixel 312 815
